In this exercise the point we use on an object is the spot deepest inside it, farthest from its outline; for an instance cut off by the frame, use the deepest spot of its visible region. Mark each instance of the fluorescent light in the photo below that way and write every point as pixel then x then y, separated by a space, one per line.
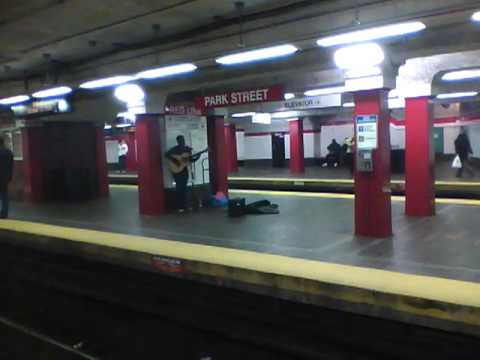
pixel 476 16
pixel 110 81
pixel 365 83
pixel 14 100
pixel 359 56
pixel 246 114
pixel 362 72
pixel 325 91
pixel 289 96
pixel 461 75
pixel 123 125
pixel 58 91
pixel 262 118
pixel 256 55
pixel 166 71
pixel 349 105
pixel 285 115
pixel 457 95
pixel 396 103
pixel 375 33
pixel 130 93
pixel 107 127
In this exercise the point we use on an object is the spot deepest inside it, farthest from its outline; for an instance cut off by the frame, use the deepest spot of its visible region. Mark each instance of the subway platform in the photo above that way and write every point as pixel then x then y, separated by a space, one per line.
pixel 427 274
pixel 338 180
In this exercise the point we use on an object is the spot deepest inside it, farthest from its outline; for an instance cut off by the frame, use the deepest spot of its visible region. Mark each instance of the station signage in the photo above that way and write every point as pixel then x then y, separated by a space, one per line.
pixel 367 126
pixel 42 108
pixel 182 110
pixel 241 97
pixel 314 102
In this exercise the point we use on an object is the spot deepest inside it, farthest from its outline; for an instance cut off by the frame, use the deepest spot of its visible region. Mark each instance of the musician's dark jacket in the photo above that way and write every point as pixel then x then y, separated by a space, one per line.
pixel 177 150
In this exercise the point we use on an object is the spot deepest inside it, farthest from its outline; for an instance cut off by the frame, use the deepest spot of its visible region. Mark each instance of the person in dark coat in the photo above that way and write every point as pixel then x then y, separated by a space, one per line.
pixel 6 172
pixel 181 178
pixel 463 150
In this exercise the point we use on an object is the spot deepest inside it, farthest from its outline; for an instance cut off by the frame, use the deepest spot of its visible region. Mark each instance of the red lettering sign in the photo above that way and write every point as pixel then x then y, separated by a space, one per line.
pixel 266 94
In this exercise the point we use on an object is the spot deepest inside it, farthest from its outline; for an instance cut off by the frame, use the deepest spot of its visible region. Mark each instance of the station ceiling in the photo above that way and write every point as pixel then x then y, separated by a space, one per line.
pixel 77 40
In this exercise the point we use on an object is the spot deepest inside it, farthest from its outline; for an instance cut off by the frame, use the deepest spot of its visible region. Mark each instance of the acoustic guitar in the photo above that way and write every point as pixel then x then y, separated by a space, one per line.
pixel 183 161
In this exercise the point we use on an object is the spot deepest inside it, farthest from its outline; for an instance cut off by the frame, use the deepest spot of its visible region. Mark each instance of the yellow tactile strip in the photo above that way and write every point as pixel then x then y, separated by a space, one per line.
pixel 422 287
pixel 342 181
pixel 471 202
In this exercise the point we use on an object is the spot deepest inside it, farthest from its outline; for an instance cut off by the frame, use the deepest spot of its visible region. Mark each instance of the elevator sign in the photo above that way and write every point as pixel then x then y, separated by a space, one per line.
pixel 367 126
pixel 242 97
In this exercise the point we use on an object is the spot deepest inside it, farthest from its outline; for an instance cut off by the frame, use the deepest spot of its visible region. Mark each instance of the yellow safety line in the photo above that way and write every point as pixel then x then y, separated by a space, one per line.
pixel 345 181
pixel 425 287
pixel 471 202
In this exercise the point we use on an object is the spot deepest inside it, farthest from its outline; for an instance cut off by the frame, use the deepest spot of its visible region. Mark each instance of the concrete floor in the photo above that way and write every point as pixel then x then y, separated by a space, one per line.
pixel 307 227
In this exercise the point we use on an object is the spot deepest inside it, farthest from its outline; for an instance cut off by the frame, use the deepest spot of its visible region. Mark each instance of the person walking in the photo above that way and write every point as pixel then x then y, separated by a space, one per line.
pixel 463 150
pixel 122 155
pixel 6 173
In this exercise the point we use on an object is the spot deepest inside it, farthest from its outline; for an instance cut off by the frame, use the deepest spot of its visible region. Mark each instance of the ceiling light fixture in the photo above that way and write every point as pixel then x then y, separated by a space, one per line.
pixel 14 100
pixel 349 105
pixel 130 94
pixel 106 82
pixel 58 91
pixel 245 114
pixel 363 72
pixel 476 16
pixel 461 75
pixel 457 95
pixel 257 55
pixel 375 33
pixel 326 91
pixel 166 71
pixel 361 56
pixel 289 96
pixel 262 118
pixel 285 115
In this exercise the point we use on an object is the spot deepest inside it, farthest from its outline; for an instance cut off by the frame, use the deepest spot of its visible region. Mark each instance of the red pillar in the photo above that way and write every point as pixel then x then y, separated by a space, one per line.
pixel 150 173
pixel 33 147
pixel 373 216
pixel 419 158
pixel 101 159
pixel 297 157
pixel 218 157
pixel 231 146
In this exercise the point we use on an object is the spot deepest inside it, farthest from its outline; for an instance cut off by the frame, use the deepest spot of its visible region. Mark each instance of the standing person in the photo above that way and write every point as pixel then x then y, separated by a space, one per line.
pixel 463 150
pixel 122 155
pixel 175 155
pixel 348 157
pixel 334 151
pixel 6 172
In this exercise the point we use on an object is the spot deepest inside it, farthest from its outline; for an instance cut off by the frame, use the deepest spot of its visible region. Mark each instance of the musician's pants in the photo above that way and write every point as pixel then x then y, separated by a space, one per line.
pixel 181 181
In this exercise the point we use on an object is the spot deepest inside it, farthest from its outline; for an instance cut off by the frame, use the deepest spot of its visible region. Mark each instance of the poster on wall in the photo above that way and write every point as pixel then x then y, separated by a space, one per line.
pixel 367 132
pixel 194 129
pixel 111 147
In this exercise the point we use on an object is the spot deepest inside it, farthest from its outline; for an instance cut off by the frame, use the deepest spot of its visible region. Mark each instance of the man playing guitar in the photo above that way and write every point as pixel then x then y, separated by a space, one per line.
pixel 180 157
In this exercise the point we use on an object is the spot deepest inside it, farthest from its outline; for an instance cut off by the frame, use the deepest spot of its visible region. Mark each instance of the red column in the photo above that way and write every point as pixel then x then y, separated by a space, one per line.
pixel 150 173
pixel 373 216
pixel 101 163
pixel 33 147
pixel 218 157
pixel 419 158
pixel 231 146
pixel 297 157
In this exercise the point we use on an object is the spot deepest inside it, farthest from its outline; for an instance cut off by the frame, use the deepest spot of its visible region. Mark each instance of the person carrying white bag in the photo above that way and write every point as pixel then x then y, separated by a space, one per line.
pixel 463 150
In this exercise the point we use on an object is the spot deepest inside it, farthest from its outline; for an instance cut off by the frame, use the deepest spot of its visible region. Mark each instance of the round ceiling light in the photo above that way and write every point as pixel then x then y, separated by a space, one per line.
pixel 359 56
